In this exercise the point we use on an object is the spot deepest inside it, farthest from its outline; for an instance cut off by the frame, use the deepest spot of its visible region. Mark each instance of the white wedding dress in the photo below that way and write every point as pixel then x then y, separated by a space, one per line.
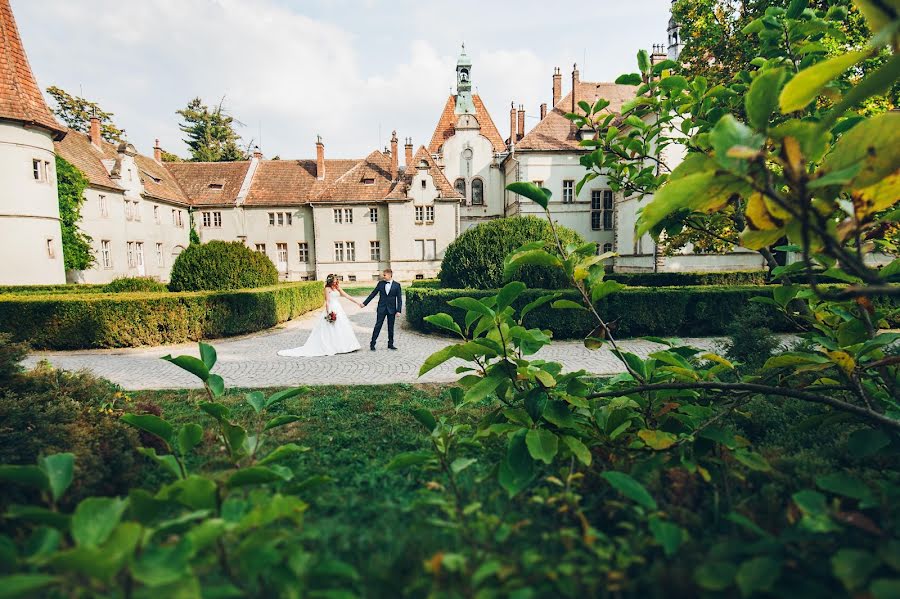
pixel 327 338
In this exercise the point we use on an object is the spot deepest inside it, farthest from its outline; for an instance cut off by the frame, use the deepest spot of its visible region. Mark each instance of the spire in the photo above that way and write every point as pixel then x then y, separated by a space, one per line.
pixel 20 97
pixel 464 102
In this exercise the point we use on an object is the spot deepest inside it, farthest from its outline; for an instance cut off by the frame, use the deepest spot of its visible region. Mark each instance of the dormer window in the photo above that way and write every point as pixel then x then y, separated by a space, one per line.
pixel 216 186
pixel 155 179
pixel 368 181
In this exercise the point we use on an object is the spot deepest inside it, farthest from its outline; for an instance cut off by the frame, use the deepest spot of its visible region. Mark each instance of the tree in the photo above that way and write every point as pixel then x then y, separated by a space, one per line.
pixel 71 183
pixel 76 113
pixel 170 157
pixel 211 135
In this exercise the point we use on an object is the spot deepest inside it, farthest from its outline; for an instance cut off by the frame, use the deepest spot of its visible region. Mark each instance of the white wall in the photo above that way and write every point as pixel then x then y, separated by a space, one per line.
pixel 456 163
pixel 29 209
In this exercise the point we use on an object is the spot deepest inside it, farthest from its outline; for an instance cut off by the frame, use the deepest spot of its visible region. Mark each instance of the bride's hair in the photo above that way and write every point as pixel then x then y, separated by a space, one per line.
pixel 330 280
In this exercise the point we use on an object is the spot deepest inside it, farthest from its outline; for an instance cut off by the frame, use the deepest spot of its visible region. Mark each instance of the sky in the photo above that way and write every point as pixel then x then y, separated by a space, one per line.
pixel 349 70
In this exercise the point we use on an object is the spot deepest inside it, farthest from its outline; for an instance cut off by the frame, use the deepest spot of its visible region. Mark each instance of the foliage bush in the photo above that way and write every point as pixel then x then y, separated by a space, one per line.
pixel 475 259
pixel 48 411
pixel 751 341
pixel 426 283
pixel 688 279
pixel 97 320
pixel 131 284
pixel 51 289
pixel 220 265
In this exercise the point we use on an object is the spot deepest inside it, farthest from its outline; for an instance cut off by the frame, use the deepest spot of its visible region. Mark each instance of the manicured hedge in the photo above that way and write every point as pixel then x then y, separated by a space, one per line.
pixel 62 321
pixel 426 284
pixel 635 312
pixel 221 265
pixel 132 284
pixel 51 289
pixel 689 279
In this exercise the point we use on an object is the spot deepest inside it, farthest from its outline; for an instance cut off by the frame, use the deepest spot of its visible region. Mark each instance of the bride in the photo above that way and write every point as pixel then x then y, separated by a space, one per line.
pixel 333 333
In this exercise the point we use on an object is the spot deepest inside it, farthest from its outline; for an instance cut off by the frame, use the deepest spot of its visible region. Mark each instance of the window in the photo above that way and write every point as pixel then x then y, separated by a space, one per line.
pixel 460 186
pixel 420 214
pixel 177 219
pixel 105 254
pixel 281 219
pixel 282 254
pixel 351 251
pixel 217 219
pixel 139 254
pixel 424 184
pixel 351 278
pixel 129 211
pixel 477 192
pixel 207 219
pixel 601 209
pixel 429 214
pixel 136 208
pixel 160 257
pixel 373 215
pixel 420 249
pixel 338 216
pixel 261 248
pixel 216 186
pixel 375 251
pixel 539 183
pixel 131 259
pixel 104 206
pixel 430 249
pixel 288 218
pixel 37 170
pixel 607 247
pixel 344 251
pixel 368 181
pixel 568 194
pixel 304 252
pixel 338 251
pixel 608 212
pixel 51 251
pixel 348 215
pixel 420 277
pixel 271 219
pixel 156 214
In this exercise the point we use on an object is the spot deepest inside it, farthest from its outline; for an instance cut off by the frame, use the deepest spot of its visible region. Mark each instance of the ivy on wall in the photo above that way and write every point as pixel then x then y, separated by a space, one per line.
pixel 71 183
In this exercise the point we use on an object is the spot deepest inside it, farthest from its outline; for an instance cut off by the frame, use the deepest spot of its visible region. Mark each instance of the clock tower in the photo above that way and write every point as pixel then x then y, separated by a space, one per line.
pixel 464 102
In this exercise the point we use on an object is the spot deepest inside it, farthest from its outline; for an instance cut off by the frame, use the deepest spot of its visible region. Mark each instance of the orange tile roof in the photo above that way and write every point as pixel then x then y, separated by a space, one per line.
pixel 447 191
pixel 292 182
pixel 446 126
pixel 556 132
pixel 20 96
pixel 196 179
pixel 353 186
pixel 77 149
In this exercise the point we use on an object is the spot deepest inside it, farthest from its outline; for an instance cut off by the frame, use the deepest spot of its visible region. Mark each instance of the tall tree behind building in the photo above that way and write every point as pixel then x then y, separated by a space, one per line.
pixel 76 113
pixel 211 135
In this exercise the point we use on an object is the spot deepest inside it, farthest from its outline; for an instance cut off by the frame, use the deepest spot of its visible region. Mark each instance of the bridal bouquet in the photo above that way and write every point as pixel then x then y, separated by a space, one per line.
pixel 330 317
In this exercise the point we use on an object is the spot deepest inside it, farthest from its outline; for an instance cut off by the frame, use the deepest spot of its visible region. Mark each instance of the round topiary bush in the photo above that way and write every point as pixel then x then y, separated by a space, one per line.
pixel 126 284
pixel 475 259
pixel 221 265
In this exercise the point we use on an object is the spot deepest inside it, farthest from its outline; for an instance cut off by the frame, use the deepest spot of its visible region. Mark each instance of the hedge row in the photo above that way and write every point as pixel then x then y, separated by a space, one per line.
pixel 51 289
pixel 690 279
pixel 426 284
pixel 634 312
pixel 98 320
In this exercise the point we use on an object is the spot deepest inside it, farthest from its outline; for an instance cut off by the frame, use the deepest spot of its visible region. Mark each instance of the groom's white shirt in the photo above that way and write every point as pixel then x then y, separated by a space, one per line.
pixel 387 286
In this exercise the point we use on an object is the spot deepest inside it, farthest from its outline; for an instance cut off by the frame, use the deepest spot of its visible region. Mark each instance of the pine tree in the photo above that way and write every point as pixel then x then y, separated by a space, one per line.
pixel 76 113
pixel 211 135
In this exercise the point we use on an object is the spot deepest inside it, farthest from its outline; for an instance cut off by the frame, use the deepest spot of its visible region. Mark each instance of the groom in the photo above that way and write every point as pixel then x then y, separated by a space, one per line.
pixel 390 303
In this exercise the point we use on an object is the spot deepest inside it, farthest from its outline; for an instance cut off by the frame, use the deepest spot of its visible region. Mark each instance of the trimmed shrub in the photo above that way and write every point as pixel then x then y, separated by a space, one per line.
pixel 426 283
pixel 128 320
pixel 688 279
pixel 633 312
pixel 221 265
pixel 50 289
pixel 130 284
pixel 475 259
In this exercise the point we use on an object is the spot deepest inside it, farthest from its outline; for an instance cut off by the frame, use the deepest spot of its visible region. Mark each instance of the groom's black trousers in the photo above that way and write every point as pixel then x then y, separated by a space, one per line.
pixel 379 321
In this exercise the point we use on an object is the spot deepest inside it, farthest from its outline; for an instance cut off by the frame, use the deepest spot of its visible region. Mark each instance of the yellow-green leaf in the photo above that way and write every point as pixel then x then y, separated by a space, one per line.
pixel 808 83
pixel 656 439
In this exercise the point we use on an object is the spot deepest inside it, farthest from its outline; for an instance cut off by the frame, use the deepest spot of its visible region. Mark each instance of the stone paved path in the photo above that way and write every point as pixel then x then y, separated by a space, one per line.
pixel 252 360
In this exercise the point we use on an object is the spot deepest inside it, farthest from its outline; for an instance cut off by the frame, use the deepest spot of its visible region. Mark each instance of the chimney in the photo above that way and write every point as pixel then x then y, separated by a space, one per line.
pixel 521 121
pixel 320 158
pixel 543 110
pixel 95 131
pixel 157 152
pixel 395 157
pixel 512 123
pixel 257 153
pixel 659 54
pixel 409 154
pixel 575 80
pixel 557 86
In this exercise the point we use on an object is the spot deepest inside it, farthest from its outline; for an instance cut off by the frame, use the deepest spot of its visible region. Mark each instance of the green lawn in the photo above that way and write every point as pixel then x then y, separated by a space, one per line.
pixel 362 517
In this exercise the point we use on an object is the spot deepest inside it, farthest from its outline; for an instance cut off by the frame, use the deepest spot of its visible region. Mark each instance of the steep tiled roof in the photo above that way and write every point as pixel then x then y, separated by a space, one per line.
pixel 369 180
pixel 292 182
pixel 446 190
pixel 447 125
pixel 556 132
pixel 20 96
pixel 210 183
pixel 77 149
pixel 158 182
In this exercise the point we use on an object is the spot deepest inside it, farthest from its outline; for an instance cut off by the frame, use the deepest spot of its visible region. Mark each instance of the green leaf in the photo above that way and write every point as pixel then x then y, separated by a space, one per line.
pixel 715 576
pixel 866 442
pixel 425 417
pixel 95 518
pixel 195 492
pixel 283 452
pixel 668 535
pixel 885 588
pixel 808 83
pixel 30 476
pixel 437 358
pixel 871 145
pixel 762 99
pixel 509 293
pixel 657 439
pixel 542 445
pixel 281 421
pixel 254 475
pixel 59 469
pixel 151 424
pixel 853 567
pixel 757 574
pixel 629 79
pixel 730 133
pixel 472 305
pixel 752 460
pixel 815 511
pixel 578 449
pixel 529 258
pixel 517 468
pixel 257 401
pixel 531 191
pixel 189 436
pixel 216 384
pixel 444 321
pixel 281 396
pixel 558 413
pixel 841 483
pixel 630 488
pixel 565 304
pixel 21 585
pixel 796 8
pixel 193 365
pixel 217 410
pixel 207 355
pixel 160 565
pixel 695 192
pixel 483 388
pixel 540 301
pixel 601 290
pixel 460 464
pixel 643 59
pixel 410 458
pixel 166 461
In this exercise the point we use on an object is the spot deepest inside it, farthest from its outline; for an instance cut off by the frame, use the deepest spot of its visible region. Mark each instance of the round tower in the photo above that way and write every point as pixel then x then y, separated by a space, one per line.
pixel 30 235
pixel 674 36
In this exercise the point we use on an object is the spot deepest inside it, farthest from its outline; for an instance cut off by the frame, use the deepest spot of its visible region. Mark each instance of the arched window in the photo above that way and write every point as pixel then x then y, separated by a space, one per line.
pixel 607 247
pixel 460 186
pixel 477 192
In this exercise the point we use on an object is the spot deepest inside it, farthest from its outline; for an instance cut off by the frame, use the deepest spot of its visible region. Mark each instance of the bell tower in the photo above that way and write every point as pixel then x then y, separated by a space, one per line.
pixel 464 102
pixel 674 36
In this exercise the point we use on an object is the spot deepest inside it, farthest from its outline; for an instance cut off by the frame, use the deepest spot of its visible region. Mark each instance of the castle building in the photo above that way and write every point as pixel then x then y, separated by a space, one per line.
pixel 30 233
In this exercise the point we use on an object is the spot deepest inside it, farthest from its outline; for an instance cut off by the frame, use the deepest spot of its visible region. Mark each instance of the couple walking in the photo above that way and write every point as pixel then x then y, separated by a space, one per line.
pixel 333 334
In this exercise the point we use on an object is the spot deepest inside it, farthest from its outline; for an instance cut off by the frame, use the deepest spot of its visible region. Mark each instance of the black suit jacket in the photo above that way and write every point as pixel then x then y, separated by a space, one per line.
pixel 388 303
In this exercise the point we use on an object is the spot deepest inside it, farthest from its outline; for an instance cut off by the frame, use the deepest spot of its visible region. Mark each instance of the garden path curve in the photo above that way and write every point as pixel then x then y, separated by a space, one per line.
pixel 252 360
